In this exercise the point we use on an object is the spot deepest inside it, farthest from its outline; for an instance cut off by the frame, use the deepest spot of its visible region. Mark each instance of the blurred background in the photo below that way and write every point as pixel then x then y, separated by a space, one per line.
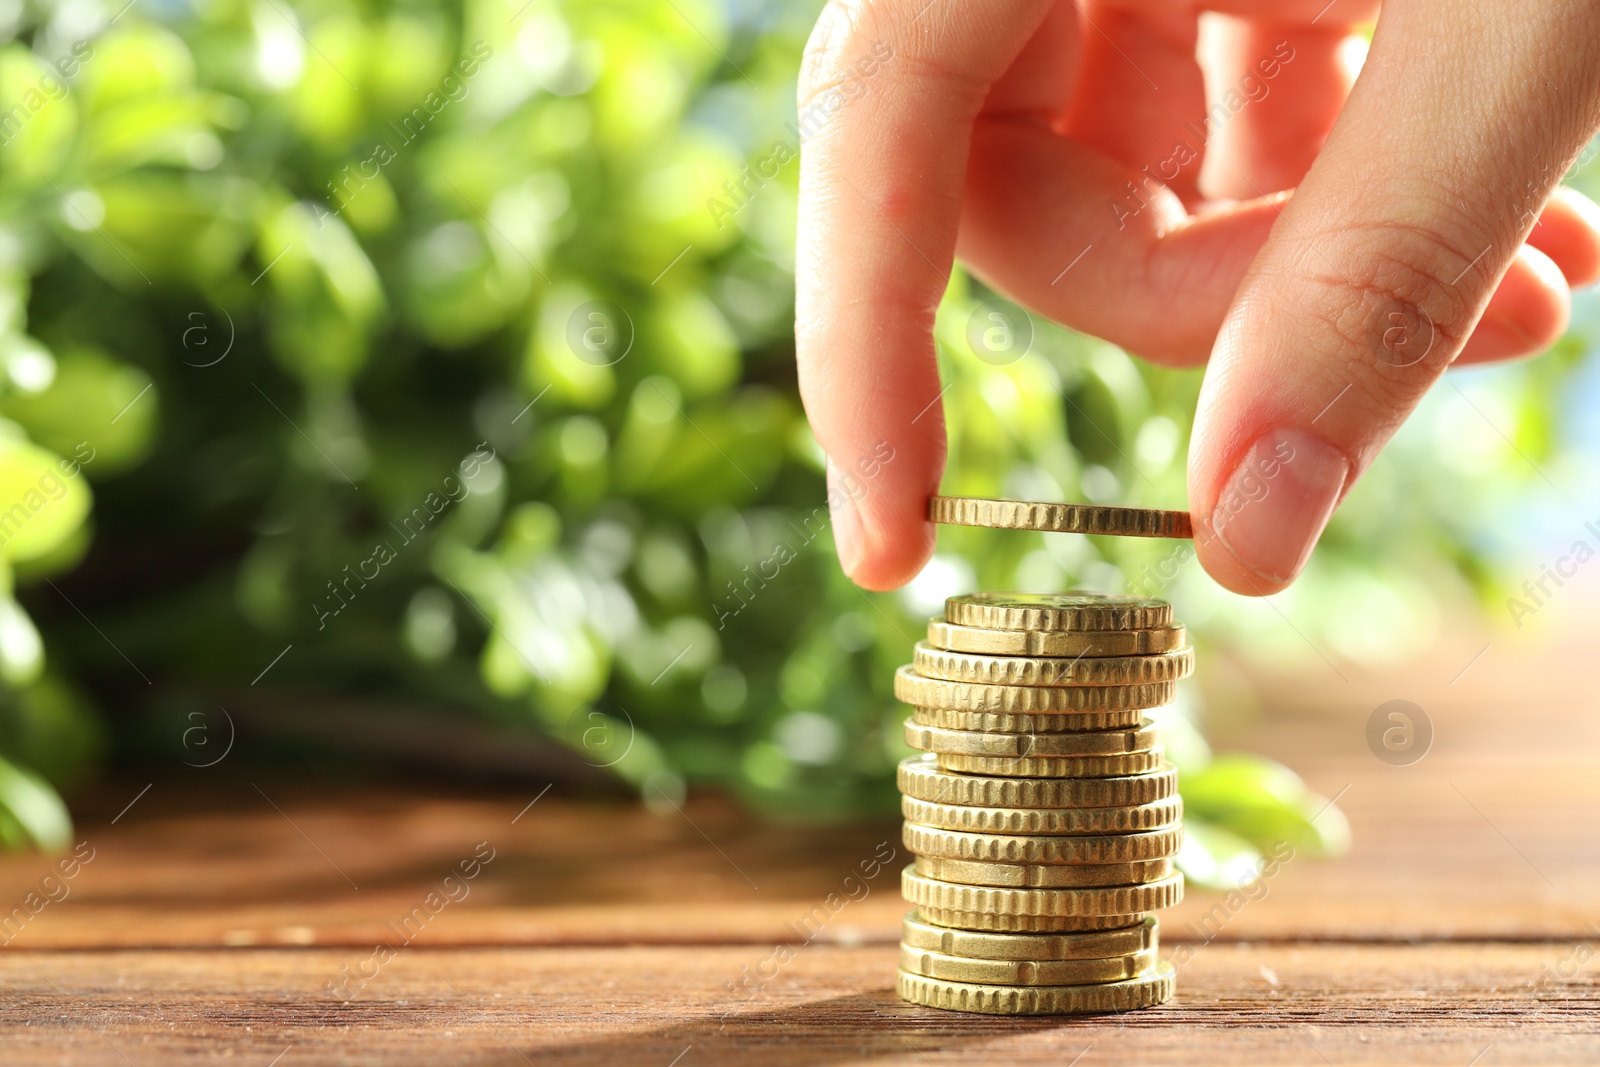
pixel 408 388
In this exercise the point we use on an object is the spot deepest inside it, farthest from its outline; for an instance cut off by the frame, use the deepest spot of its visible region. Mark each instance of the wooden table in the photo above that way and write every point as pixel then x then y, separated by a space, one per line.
pixel 225 920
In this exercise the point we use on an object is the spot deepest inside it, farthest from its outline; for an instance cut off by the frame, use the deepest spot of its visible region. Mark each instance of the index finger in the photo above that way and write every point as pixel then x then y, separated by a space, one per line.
pixel 880 205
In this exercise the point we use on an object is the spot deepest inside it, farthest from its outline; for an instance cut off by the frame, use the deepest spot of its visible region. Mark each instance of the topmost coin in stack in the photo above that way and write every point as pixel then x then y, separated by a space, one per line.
pixel 1044 818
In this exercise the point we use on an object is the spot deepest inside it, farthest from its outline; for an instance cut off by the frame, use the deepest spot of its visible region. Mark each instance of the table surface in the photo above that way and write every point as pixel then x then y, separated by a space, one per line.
pixel 219 919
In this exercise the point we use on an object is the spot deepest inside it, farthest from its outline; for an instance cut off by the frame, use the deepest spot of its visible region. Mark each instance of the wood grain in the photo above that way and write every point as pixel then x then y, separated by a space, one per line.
pixel 1503 855
pixel 830 1005
pixel 216 913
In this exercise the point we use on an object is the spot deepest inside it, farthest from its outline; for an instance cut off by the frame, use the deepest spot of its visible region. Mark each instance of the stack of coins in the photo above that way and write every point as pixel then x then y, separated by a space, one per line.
pixel 1043 818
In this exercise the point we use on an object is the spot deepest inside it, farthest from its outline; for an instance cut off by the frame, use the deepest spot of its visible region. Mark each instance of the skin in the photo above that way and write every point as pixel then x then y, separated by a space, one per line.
pixel 1328 250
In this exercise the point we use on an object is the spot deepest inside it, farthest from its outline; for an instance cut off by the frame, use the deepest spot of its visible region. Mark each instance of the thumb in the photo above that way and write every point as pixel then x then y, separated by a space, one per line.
pixel 1384 262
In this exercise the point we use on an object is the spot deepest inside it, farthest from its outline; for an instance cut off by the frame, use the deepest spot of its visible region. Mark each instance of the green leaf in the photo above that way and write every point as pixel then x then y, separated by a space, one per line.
pixel 1266 803
pixel 37 122
pixel 1216 858
pixel 133 60
pixel 102 414
pixel 21 649
pixel 40 504
pixel 174 130
pixel 326 293
pixel 35 806
pixel 52 727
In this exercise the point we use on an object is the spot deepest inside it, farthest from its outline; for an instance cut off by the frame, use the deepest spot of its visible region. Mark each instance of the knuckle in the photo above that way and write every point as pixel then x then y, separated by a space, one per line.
pixel 1390 297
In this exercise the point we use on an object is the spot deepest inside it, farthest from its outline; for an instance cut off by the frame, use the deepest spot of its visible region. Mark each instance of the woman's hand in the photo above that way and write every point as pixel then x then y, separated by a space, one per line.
pixel 1079 158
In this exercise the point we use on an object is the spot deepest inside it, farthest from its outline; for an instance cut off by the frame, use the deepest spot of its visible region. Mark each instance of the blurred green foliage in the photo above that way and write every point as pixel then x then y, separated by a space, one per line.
pixel 412 337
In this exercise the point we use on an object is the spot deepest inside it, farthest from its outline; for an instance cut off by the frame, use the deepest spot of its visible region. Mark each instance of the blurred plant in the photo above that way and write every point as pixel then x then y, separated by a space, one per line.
pixel 422 347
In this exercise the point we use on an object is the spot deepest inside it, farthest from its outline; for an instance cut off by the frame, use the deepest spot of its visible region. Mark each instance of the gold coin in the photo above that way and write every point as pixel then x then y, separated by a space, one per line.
pixel 913 688
pixel 1027 924
pixel 921 890
pixel 954 638
pixel 1056 611
pixel 996 722
pixel 979 945
pixel 1039 876
pixel 921 777
pixel 1141 992
pixel 1052 670
pixel 1054 766
pixel 1081 743
pixel 1060 518
pixel 1027 972
pixel 1017 848
pixel 1127 820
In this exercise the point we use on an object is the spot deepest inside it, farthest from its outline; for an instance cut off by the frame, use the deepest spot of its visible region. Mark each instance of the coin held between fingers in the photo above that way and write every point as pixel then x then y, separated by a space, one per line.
pixel 1060 518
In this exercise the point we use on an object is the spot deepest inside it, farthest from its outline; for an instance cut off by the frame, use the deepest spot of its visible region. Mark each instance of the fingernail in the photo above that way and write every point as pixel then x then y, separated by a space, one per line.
pixel 1277 501
pixel 847 533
